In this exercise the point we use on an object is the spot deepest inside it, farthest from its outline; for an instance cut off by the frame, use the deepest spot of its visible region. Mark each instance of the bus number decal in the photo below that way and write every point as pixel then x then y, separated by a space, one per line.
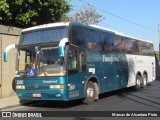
pixel 19 82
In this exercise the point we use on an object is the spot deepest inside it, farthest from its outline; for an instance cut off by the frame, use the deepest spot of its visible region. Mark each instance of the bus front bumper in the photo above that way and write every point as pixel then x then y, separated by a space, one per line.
pixel 42 95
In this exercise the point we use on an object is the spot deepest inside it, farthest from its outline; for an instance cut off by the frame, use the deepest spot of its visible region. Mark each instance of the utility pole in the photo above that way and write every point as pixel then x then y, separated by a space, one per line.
pixel 159 39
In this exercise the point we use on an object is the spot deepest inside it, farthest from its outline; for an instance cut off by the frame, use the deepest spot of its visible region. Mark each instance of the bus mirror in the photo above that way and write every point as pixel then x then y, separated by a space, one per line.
pixel 62 46
pixel 7 50
pixel 5 56
pixel 61 51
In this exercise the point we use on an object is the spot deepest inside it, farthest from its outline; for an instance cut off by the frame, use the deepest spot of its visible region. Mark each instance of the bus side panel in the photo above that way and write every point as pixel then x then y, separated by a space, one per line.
pixel 122 71
pixel 76 84
pixel 107 79
pixel 113 72
pixel 107 73
pixel 142 64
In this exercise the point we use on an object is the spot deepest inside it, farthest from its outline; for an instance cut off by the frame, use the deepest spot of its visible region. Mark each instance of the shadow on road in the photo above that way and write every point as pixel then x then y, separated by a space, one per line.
pixel 145 99
pixel 54 104
pixel 125 94
pixel 117 92
pixel 70 104
pixel 142 101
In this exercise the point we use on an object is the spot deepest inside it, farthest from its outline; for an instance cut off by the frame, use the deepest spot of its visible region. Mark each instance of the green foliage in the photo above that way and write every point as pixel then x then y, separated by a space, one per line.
pixel 26 13
pixel 87 14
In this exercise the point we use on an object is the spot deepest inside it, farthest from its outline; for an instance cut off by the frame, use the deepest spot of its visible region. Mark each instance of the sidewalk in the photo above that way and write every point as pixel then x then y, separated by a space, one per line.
pixel 9 102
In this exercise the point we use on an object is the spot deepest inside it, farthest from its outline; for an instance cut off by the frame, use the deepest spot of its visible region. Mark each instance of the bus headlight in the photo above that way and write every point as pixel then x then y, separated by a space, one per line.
pixel 20 87
pixel 61 86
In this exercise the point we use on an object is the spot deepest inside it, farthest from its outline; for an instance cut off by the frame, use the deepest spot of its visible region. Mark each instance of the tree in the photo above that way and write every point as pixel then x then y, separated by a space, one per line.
pixel 26 13
pixel 87 14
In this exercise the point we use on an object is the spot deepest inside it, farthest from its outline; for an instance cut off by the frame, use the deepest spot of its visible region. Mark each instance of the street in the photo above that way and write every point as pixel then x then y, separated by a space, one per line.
pixel 129 99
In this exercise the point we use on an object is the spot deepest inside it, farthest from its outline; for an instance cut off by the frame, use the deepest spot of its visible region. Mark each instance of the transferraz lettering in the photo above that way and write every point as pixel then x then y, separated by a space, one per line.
pixel 110 59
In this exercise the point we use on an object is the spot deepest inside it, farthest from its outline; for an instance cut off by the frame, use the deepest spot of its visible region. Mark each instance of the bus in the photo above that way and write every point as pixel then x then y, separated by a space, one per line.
pixel 68 61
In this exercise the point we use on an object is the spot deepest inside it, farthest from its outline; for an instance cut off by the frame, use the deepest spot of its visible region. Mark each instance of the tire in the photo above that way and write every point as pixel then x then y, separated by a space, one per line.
pixel 138 82
pixel 14 85
pixel 90 92
pixel 144 82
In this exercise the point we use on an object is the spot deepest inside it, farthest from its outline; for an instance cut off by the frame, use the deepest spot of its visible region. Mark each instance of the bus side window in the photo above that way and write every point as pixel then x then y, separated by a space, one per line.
pixel 126 49
pixel 118 44
pixel 78 36
pixel 72 60
pixel 135 47
pixel 82 61
pixel 151 49
pixel 142 47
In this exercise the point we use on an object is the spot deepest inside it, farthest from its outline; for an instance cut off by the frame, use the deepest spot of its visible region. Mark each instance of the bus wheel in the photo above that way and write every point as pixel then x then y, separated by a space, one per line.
pixel 144 82
pixel 89 93
pixel 138 82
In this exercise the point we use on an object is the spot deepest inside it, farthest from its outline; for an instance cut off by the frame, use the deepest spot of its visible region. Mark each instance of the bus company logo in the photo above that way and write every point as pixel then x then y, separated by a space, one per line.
pixel 50 81
pixel 71 86
pixel 110 59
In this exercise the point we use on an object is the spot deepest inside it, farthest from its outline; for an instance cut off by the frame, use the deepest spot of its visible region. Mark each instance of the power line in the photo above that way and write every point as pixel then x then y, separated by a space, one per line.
pixel 116 16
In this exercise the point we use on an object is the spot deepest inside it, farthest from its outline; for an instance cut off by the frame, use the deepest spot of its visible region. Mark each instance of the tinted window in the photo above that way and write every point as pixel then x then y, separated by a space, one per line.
pixel 131 46
pixel 43 36
pixel 150 49
pixel 82 60
pixel 135 47
pixel 73 58
pixel 118 44
pixel 106 42
pixel 143 48
pixel 93 41
pixel 78 36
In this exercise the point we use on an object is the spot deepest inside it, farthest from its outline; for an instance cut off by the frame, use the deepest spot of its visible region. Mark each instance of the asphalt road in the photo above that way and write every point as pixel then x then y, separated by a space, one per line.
pixel 129 99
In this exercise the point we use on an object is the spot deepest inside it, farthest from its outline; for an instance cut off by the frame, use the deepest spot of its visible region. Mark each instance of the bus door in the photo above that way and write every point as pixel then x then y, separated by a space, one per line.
pixel 76 71
pixel 107 73
pixel 121 71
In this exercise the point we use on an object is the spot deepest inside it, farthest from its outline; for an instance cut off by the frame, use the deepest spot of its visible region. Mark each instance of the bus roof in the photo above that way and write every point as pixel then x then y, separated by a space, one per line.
pixel 61 24
pixel 51 25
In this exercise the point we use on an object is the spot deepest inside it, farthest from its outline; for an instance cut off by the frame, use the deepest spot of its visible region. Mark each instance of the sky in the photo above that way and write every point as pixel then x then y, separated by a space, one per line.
pixel 143 17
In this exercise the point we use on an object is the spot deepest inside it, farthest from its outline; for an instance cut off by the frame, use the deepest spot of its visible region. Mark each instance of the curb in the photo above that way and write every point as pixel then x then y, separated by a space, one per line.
pixel 8 107
pixel 16 105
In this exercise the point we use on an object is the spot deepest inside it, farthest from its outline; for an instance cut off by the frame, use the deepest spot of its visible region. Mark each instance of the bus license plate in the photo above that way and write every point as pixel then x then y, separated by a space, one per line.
pixel 36 95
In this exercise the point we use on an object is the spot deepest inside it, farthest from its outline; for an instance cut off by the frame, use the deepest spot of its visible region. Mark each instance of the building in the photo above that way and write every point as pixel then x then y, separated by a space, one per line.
pixel 8 35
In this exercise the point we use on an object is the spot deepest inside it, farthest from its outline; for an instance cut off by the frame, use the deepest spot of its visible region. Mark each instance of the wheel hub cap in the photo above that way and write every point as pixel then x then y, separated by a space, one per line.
pixel 90 92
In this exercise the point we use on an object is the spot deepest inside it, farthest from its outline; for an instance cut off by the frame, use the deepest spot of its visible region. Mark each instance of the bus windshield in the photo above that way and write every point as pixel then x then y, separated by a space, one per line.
pixel 44 62
pixel 43 36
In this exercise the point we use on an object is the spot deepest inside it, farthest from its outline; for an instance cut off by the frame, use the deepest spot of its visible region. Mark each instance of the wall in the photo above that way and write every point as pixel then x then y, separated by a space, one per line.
pixel 8 35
